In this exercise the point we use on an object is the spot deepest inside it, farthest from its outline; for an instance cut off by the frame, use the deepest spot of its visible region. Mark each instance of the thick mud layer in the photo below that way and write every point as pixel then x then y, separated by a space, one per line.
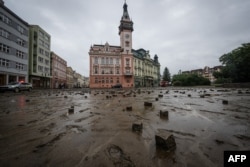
pixel 38 129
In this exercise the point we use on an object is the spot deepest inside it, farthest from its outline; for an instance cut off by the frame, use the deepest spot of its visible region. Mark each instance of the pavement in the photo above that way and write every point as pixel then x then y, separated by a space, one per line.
pixel 94 127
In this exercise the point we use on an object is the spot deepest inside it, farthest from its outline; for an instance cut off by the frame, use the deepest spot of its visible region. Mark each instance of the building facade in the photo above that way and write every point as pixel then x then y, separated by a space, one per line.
pixel 39 57
pixel 58 71
pixel 206 72
pixel 14 47
pixel 110 65
pixel 70 77
pixel 146 70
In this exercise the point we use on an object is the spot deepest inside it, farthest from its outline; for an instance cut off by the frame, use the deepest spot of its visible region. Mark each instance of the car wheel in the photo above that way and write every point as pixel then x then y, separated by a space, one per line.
pixel 16 90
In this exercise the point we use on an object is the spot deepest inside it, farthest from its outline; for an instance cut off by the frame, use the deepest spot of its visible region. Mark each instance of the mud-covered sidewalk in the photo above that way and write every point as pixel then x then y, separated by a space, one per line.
pixel 38 129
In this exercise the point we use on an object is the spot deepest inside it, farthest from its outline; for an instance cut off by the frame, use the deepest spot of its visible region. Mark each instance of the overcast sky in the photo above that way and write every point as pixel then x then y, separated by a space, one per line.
pixel 185 34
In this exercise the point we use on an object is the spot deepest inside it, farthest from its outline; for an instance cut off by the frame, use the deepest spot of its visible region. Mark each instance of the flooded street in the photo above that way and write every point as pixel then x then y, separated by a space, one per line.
pixel 38 129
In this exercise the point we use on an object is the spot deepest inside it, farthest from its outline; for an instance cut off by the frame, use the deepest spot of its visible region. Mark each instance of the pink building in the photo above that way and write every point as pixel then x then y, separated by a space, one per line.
pixel 58 71
pixel 110 65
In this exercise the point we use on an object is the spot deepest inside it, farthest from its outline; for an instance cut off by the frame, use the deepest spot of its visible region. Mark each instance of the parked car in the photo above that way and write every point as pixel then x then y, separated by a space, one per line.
pixel 16 87
pixel 117 86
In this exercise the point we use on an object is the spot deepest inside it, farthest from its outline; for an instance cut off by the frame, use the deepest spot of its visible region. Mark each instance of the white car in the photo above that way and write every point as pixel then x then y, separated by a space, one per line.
pixel 16 87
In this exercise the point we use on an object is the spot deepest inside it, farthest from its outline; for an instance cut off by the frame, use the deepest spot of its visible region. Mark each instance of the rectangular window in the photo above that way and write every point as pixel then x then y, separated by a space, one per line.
pixel 46 62
pixel 107 60
pixel 127 44
pixel 41 33
pixel 46 69
pixel 127 62
pixel 41 42
pixel 111 60
pixel 96 70
pixel 46 37
pixel 103 60
pixel 4 48
pixel 20 29
pixel 41 51
pixel 19 54
pixel 40 59
pixel 4 62
pixel 40 68
pixel 96 60
pixel 19 66
pixel 5 18
pixel 47 53
pixel 20 42
pixel 117 61
pixel 117 71
pixel 46 45
pixel 4 33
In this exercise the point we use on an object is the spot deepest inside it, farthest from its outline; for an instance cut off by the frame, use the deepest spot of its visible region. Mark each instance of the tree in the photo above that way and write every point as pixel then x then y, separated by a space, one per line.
pixel 166 75
pixel 237 64
pixel 189 80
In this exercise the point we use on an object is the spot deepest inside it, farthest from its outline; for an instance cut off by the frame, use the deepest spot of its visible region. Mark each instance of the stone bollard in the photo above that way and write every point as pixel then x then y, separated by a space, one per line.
pixel 189 95
pixel 224 101
pixel 71 110
pixel 240 92
pixel 165 140
pixel 156 99
pixel 65 97
pixel 164 114
pixel 202 96
pixel 148 104
pixel 137 127
pixel 129 108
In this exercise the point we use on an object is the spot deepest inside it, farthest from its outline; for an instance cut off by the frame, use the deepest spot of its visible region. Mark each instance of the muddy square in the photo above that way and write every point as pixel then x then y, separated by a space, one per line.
pixel 94 127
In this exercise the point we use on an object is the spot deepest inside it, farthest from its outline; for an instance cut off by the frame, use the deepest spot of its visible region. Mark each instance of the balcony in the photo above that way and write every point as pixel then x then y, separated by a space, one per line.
pixel 128 73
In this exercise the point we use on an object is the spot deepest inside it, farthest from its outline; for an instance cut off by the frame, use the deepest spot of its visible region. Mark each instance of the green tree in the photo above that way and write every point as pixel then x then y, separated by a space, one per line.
pixel 189 80
pixel 166 75
pixel 237 64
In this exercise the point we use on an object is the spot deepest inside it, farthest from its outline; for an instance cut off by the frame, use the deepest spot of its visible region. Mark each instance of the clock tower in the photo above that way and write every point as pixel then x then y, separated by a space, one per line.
pixel 125 31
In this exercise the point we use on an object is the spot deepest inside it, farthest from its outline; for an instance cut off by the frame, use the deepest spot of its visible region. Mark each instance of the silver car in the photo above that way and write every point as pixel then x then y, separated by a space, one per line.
pixel 16 87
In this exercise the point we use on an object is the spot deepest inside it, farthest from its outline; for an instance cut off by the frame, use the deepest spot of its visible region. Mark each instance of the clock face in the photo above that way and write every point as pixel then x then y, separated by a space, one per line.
pixel 127 35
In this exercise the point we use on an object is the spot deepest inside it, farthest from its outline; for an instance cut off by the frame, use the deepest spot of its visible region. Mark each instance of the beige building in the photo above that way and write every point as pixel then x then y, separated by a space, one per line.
pixel 69 77
pixel 207 72
pixel 58 71
pixel 39 57
pixel 146 70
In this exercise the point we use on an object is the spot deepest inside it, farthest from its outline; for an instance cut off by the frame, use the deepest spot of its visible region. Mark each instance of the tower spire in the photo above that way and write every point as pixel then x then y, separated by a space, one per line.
pixel 125 11
pixel 126 22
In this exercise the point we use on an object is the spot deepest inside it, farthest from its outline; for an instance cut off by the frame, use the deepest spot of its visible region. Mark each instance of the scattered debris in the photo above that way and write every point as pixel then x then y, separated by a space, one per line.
pixel 129 108
pixel 224 101
pixel 164 114
pixel 148 104
pixel 137 127
pixel 165 140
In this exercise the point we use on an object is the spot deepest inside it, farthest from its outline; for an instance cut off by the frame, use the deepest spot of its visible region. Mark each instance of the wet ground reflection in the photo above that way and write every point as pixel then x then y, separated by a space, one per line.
pixel 37 129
